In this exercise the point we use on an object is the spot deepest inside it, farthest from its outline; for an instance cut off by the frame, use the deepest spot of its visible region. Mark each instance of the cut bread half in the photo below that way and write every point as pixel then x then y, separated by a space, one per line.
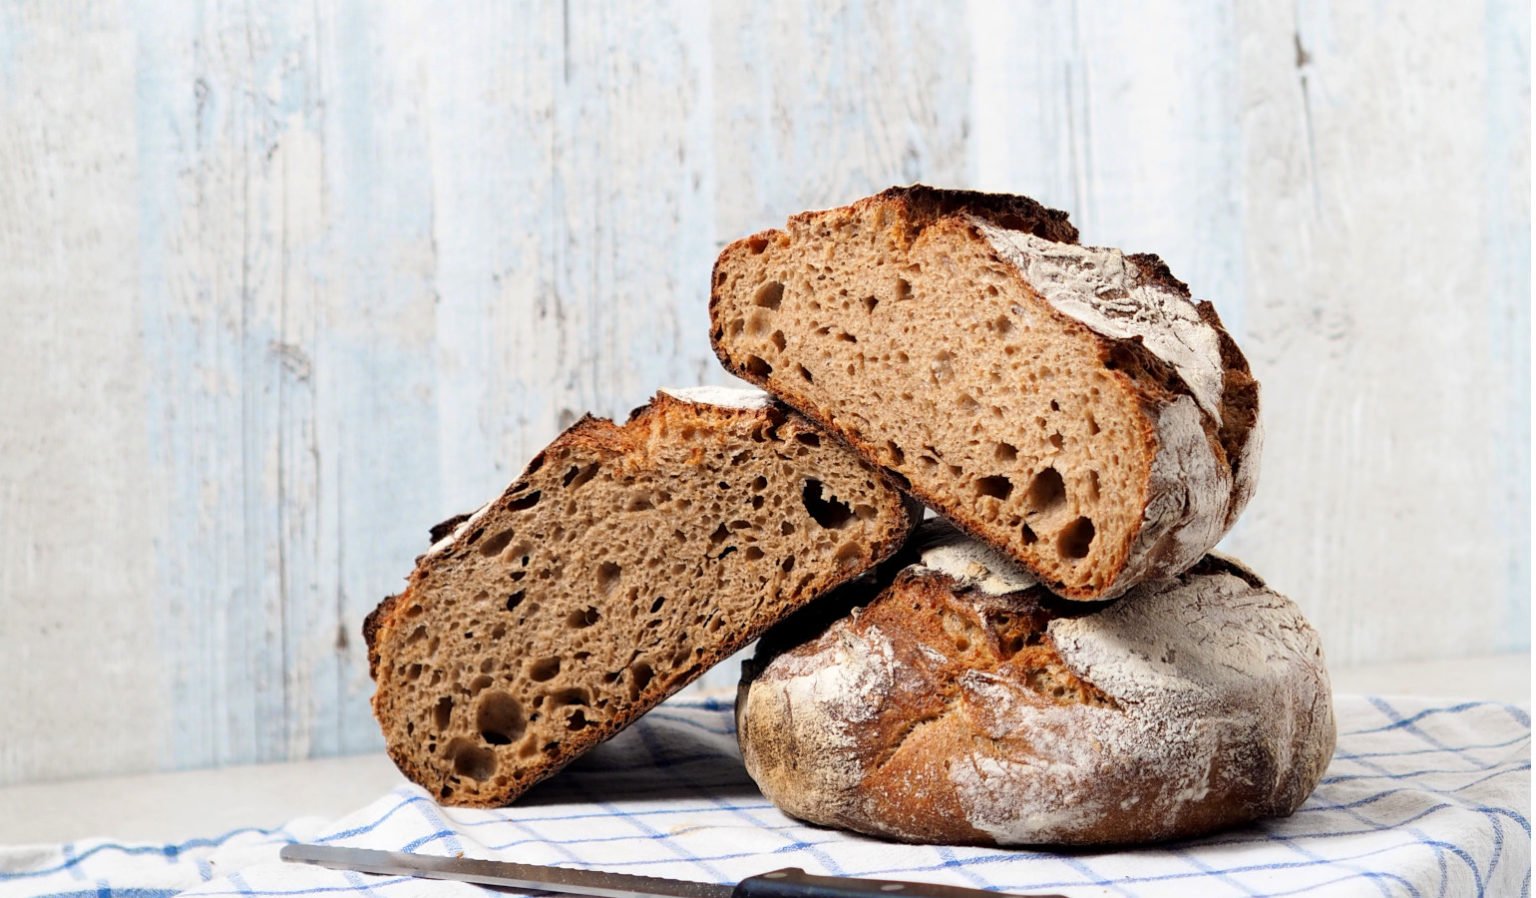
pixel 1069 405
pixel 624 562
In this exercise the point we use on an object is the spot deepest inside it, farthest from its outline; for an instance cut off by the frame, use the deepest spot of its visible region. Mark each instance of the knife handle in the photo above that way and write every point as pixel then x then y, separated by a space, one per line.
pixel 792 882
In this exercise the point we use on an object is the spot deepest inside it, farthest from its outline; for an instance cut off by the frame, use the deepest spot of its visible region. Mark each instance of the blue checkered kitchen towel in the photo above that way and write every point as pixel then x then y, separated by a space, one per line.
pixel 1422 799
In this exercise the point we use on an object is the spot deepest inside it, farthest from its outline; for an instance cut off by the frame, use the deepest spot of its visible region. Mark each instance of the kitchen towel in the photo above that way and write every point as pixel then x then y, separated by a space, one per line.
pixel 1423 798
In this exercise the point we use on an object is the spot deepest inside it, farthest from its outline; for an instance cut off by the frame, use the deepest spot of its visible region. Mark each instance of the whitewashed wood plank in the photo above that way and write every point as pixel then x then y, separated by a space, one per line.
pixel 818 104
pixel 294 281
pixel 79 523
pixel 1387 506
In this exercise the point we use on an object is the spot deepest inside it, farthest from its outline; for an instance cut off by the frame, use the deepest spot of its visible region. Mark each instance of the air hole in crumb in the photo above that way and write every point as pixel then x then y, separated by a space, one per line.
pixel 869 303
pixel 788 564
pixel 1093 426
pixel 757 367
pixel 894 453
pixel 1057 440
pixel 577 721
pixel 579 475
pixel 1093 486
pixel 826 511
pixel 849 557
pixel 805 375
pixel 523 503
pixel 414 611
pixel 582 617
pixel 479 685
pixel 757 244
pixel 639 503
pixel 809 439
pixel 719 535
pixel 656 605
pixel 515 599
pixel 997 486
pixel 777 339
pixel 1075 538
pixel 575 695
pixel 443 712
pixel 769 295
pixel 752 553
pixel 471 760
pixel 544 669
pixel 1028 534
pixel 495 544
pixel 607 576
pixel 1046 490
pixel 903 289
pixel 1005 452
pixel 413 672
pixel 640 675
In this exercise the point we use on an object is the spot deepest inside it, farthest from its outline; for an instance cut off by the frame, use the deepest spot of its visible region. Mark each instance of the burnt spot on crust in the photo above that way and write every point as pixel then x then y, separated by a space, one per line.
pixel 927 205
pixel 371 625
pixel 444 529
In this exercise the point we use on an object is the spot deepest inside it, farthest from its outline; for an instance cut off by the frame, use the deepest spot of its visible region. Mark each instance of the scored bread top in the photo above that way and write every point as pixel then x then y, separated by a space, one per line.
pixel 623 562
pixel 945 711
pixel 969 299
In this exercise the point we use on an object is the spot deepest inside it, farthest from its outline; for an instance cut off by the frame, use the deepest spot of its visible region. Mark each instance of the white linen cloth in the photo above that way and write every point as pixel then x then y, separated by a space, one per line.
pixel 1423 798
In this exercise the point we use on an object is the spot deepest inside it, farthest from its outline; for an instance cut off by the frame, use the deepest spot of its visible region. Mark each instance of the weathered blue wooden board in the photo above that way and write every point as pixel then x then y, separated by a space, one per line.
pixel 288 283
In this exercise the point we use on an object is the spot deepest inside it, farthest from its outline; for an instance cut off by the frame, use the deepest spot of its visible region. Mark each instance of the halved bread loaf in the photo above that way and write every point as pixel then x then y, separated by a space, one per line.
pixel 1069 405
pixel 964 704
pixel 624 562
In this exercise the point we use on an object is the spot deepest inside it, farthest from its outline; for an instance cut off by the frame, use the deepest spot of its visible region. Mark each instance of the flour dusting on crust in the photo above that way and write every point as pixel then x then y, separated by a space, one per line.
pixel 727 397
pixel 1106 291
pixel 973 563
pixel 463 528
pixel 1189 490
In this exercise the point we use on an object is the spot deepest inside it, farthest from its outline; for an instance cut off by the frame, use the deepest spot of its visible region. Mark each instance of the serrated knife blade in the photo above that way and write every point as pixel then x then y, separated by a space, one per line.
pixel 787 883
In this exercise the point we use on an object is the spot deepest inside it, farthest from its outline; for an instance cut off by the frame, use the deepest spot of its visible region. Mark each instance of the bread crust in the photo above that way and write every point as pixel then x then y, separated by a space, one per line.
pixel 1200 431
pixel 925 716
pixel 629 444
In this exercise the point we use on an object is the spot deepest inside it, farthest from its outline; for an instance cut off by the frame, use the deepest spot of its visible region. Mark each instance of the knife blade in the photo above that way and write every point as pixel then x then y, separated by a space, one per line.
pixel 791 882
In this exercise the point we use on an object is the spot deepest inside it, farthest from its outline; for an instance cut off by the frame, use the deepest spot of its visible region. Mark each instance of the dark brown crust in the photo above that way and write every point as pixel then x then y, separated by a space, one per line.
pixel 602 435
pixel 1142 373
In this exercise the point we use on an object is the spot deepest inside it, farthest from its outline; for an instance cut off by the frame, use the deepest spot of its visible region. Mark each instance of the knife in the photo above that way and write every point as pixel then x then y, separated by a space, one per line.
pixel 791 882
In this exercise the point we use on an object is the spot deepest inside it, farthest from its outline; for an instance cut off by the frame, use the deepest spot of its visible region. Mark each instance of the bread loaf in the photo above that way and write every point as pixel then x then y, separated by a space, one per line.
pixel 966 705
pixel 1069 405
pixel 625 561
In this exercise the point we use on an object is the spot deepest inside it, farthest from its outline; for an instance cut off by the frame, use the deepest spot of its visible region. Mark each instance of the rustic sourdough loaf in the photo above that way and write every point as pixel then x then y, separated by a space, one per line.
pixel 965 704
pixel 1069 405
pixel 624 562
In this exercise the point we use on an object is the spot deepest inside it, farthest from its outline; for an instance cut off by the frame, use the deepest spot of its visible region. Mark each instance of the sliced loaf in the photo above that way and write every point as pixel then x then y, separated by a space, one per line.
pixel 1069 405
pixel 624 562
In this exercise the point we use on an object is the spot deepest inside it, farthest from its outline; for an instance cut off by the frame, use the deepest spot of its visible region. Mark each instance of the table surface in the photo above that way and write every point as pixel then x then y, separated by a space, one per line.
pixel 167 807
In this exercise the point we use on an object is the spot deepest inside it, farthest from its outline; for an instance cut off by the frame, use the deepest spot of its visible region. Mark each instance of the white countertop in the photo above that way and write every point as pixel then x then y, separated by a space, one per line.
pixel 167 807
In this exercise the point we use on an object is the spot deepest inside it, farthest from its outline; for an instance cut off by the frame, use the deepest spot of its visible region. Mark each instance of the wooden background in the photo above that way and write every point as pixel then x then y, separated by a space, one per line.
pixel 283 284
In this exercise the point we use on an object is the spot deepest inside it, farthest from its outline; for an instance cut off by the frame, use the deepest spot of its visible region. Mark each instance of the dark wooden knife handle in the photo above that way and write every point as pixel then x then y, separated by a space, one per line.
pixel 792 882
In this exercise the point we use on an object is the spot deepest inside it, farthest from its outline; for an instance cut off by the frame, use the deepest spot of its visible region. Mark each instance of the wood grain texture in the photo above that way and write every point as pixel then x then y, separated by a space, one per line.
pixel 293 282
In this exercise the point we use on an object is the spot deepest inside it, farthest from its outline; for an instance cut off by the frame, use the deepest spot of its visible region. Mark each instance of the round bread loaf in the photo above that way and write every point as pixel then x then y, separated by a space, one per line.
pixel 966 705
